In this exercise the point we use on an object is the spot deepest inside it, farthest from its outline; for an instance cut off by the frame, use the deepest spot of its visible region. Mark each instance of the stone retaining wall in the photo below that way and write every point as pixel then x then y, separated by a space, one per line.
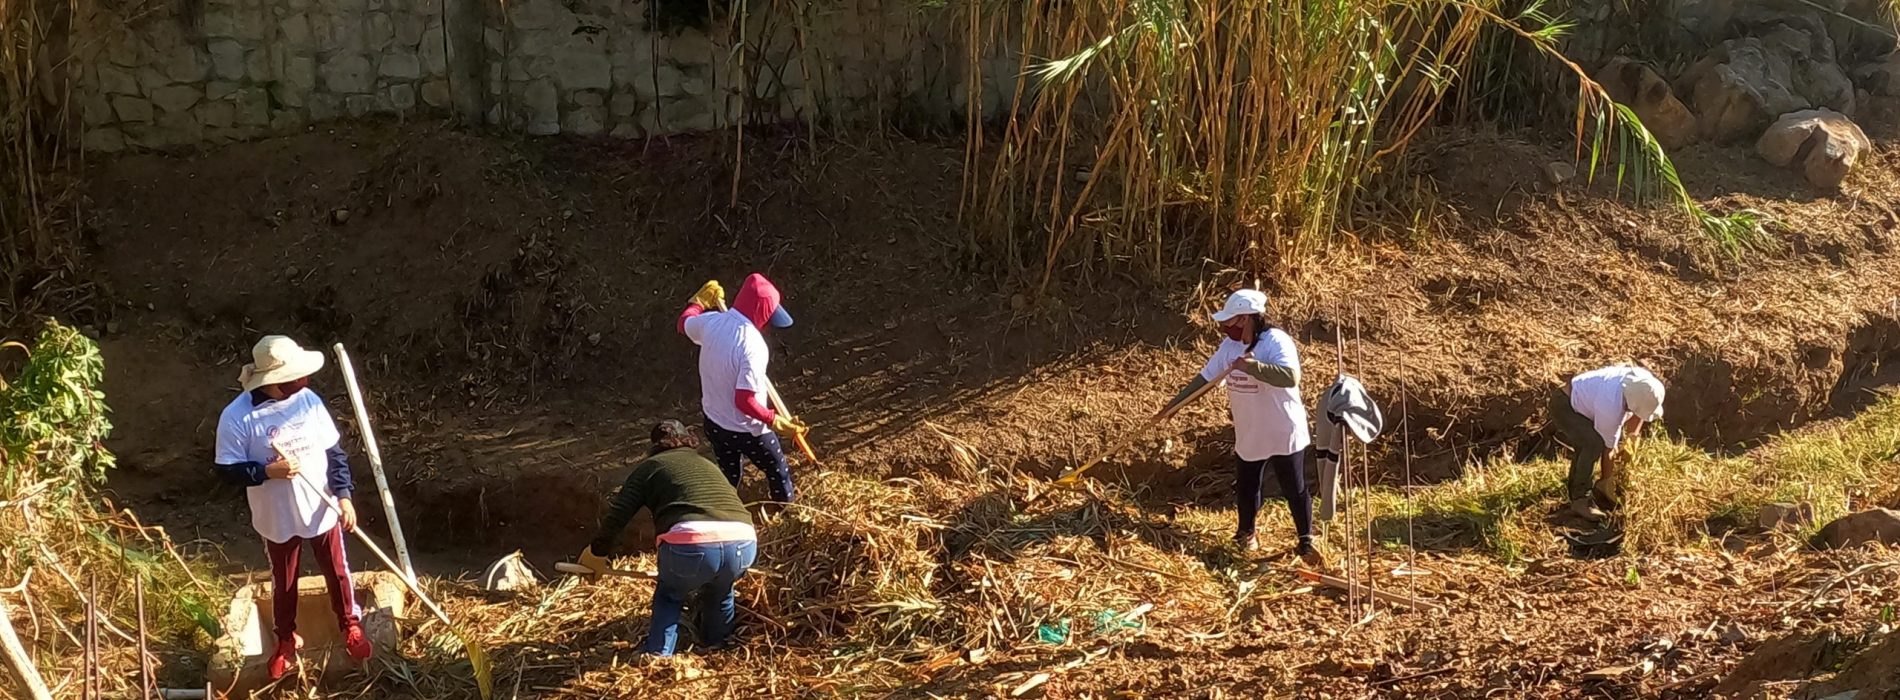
pixel 184 72
pixel 231 69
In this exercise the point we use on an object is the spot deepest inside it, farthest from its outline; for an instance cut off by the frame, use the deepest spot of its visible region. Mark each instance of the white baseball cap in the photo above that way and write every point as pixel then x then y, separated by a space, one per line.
pixel 1643 394
pixel 1241 303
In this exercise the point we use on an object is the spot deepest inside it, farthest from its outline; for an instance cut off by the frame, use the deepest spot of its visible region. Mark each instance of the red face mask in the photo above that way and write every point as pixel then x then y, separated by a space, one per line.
pixel 1234 330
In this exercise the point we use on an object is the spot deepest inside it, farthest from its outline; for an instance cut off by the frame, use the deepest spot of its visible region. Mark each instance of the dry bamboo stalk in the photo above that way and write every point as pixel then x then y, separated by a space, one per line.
pixel 19 660
pixel 145 661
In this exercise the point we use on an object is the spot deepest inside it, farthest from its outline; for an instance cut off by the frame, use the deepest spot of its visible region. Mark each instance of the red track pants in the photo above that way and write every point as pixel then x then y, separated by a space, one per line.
pixel 331 563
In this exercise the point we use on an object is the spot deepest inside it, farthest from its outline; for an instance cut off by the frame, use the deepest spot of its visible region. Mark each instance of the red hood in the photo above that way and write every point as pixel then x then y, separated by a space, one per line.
pixel 757 299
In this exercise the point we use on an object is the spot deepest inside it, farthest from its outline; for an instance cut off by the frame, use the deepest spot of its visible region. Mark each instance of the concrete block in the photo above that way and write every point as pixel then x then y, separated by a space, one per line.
pixel 238 664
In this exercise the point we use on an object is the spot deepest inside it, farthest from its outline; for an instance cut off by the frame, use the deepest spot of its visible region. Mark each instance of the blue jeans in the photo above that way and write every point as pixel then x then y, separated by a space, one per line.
pixel 703 570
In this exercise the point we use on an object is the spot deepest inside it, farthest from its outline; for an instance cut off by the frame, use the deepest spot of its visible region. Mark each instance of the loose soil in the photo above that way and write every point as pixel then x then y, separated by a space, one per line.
pixel 511 307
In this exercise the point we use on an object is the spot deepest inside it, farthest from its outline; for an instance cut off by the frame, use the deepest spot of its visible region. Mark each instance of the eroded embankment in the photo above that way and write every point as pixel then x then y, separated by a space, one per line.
pixel 511 305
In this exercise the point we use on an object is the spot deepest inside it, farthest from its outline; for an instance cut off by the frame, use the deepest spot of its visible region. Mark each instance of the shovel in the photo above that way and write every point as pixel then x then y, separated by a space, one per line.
pixel 477 657
pixel 1075 475
pixel 568 567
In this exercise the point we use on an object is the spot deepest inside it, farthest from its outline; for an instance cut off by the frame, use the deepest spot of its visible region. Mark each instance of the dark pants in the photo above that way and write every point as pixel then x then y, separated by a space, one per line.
pixel 703 574
pixel 762 451
pixel 1582 436
pixel 331 563
pixel 1291 471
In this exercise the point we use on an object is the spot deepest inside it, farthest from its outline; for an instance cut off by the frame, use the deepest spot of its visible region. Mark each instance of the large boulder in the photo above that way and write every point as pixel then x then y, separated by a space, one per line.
pixel 1743 84
pixel 1880 525
pixel 1825 145
pixel 1647 94
pixel 1880 76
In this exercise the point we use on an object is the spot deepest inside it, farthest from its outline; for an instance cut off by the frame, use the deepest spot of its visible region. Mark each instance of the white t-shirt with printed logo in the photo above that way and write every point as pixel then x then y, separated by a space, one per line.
pixel 301 428
pixel 1269 421
pixel 732 356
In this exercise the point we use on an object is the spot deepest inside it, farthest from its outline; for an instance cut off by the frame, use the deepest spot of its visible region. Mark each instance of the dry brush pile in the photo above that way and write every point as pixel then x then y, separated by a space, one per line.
pixel 90 596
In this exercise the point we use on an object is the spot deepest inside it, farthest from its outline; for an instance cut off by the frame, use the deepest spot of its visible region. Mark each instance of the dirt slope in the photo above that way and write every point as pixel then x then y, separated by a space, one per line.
pixel 512 307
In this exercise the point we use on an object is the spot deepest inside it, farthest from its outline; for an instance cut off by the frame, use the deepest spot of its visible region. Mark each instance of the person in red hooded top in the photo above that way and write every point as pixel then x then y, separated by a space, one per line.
pixel 740 422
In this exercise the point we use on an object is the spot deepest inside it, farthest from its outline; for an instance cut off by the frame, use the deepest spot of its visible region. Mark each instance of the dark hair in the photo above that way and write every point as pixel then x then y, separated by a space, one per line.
pixel 672 435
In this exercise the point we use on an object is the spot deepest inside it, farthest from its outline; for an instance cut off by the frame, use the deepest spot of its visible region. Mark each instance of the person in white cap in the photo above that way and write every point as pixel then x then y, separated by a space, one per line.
pixel 1594 411
pixel 278 441
pixel 1261 368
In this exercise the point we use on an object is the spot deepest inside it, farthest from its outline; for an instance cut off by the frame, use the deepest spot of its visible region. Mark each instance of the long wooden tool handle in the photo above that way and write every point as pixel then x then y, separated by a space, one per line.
pixel 577 569
pixel 375 459
pixel 19 660
pixel 407 580
pixel 1132 436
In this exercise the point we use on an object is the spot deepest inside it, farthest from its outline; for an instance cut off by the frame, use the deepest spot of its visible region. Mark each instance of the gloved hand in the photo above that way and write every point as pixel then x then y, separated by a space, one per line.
pixel 710 295
pixel 787 425
pixel 594 562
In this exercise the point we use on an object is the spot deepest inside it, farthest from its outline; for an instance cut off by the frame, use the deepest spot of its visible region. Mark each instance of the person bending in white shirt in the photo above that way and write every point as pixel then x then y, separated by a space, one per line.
pixel 1594 412
pixel 1261 368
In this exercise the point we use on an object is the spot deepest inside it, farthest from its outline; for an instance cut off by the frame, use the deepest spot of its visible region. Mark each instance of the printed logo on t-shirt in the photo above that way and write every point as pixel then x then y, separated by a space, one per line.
pixel 1240 382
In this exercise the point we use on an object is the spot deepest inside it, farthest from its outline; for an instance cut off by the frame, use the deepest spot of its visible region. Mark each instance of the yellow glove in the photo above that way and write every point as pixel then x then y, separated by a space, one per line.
pixel 594 562
pixel 710 296
pixel 787 425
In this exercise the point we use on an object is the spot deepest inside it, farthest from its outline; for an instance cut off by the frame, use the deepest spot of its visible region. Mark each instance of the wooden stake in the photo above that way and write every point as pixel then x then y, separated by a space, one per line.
pixel 145 661
pixel 18 660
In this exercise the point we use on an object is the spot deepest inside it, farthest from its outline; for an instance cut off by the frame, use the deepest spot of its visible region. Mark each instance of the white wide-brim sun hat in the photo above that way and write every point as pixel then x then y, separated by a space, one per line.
pixel 1241 303
pixel 277 359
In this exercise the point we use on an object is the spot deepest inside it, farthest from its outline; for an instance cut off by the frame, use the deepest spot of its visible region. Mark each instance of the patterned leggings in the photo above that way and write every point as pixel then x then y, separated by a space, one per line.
pixel 762 451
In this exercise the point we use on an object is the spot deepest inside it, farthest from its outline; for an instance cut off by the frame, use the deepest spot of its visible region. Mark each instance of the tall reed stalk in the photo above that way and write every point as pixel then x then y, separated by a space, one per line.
pixel 1236 130
pixel 38 273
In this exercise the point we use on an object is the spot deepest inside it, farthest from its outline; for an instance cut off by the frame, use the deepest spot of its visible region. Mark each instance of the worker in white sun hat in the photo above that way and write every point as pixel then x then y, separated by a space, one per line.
pixel 1261 368
pixel 1595 411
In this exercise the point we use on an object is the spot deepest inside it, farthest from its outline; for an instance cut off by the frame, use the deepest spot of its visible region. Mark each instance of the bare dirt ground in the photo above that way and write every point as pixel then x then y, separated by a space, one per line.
pixel 511 307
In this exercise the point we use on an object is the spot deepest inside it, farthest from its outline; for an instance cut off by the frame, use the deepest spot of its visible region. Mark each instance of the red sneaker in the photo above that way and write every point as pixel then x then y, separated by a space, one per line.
pixel 281 656
pixel 357 644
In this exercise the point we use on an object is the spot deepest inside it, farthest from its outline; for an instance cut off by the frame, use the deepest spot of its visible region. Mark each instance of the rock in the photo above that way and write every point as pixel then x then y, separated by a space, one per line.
pixel 257 66
pixel 346 73
pixel 381 31
pixel 625 131
pixel 217 114
pixel 324 107
pixel 1743 84
pixel 585 119
pixel 401 97
pixel 665 82
pixel 95 109
pixel 400 65
pixel 409 29
pixel 1773 516
pixel 132 109
pixel 1555 173
pixel 541 108
pixel 1879 525
pixel 435 59
pixel 1648 95
pixel 1880 77
pixel 295 31
pixel 298 74
pixel 1823 144
pixel 104 140
pixel 581 66
pixel 340 217
pixel 508 574
pixel 623 107
pixel 435 93
pixel 117 81
pixel 185 65
pixel 219 89
pixel 177 98
pixel 359 105
pixel 227 59
pixel 253 107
